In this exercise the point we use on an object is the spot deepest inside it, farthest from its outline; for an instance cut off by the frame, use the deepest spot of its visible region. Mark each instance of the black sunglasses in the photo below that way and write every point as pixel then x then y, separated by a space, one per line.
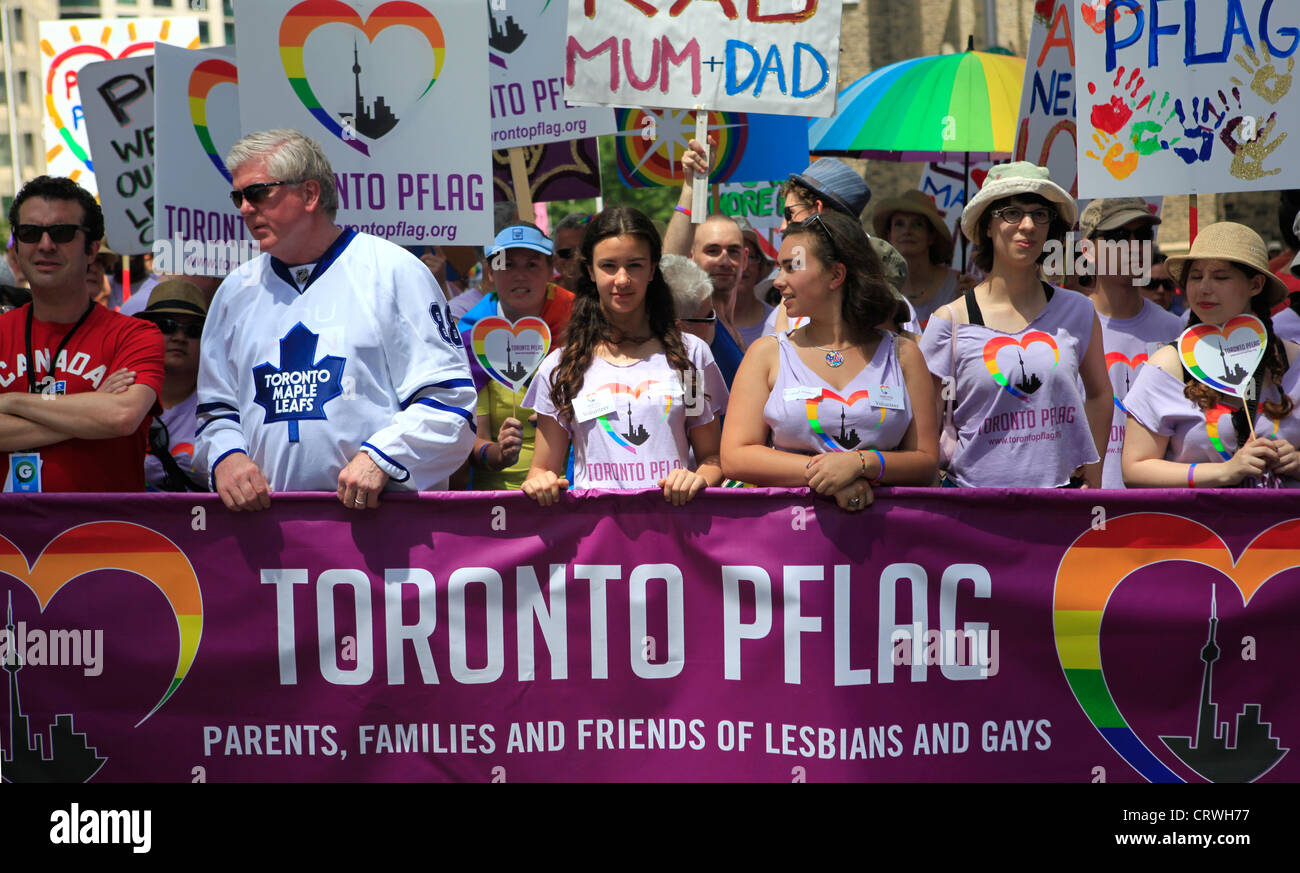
pixel 168 326
pixel 788 212
pixel 815 220
pixel 710 319
pixel 59 233
pixel 257 192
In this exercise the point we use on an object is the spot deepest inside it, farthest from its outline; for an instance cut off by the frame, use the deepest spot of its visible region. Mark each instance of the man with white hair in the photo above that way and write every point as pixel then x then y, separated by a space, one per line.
pixel 330 362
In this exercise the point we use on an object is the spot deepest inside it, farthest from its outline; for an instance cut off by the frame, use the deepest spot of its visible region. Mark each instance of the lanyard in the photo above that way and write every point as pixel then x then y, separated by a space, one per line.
pixel 31 368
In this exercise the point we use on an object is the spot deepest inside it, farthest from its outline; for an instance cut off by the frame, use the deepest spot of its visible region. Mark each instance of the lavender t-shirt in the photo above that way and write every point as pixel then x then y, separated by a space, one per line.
pixel 1286 324
pixel 806 415
pixel 1019 406
pixel 1158 403
pixel 645 437
pixel 946 294
pixel 1129 342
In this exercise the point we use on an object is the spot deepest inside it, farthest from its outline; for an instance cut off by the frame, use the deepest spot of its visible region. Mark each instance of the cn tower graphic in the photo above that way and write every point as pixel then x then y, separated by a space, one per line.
pixel 70 758
pixel 1254 751
pixel 372 124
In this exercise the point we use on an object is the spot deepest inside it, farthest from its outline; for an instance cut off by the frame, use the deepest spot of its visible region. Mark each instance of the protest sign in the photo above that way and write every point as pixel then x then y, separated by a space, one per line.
pixel 760 56
pixel 395 92
pixel 751 147
pixel 1047 130
pixel 198 230
pixel 947 184
pixel 527 84
pixel 1186 98
pixel 750 635
pixel 118 101
pixel 760 204
pixel 66 47
pixel 557 171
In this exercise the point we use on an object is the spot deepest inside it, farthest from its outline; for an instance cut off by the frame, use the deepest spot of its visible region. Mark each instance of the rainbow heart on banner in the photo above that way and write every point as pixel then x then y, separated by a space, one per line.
pixel 1224 358
pixel 121 546
pixel 511 351
pixel 206 76
pixel 1028 383
pixel 309 15
pixel 1098 562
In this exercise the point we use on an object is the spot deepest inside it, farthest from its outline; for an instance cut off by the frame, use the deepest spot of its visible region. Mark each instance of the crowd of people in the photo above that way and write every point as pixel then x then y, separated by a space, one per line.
pixel 683 355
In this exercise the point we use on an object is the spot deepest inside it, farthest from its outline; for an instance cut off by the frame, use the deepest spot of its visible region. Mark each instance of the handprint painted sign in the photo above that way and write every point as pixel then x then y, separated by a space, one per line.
pixel 1189 98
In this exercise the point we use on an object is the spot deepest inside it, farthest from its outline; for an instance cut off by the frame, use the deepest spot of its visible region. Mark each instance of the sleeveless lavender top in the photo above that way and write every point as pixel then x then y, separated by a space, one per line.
pixel 808 416
pixel 1019 401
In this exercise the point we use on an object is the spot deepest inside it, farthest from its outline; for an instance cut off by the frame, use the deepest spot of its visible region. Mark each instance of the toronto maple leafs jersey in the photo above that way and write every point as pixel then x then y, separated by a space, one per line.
pixel 302 367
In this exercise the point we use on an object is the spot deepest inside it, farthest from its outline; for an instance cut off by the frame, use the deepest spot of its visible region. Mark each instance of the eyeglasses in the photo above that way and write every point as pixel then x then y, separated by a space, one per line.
pixel 257 192
pixel 1014 214
pixel 815 220
pixel 712 317
pixel 1163 284
pixel 168 326
pixel 789 211
pixel 59 233
pixel 565 254
pixel 1120 234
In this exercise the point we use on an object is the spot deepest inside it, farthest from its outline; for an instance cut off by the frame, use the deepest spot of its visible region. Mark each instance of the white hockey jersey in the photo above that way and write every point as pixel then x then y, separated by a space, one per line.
pixel 303 368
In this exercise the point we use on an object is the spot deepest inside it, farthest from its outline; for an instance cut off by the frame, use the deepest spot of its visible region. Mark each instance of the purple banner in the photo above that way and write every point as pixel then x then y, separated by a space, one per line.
pixel 753 635
pixel 557 171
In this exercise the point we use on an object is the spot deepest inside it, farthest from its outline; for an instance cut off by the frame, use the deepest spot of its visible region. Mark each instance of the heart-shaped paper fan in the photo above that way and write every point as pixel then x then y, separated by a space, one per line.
pixel 510 352
pixel 1224 358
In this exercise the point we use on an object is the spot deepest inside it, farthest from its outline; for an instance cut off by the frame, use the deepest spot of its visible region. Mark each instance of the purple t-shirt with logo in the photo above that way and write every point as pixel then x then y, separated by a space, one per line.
pixel 1158 403
pixel 1019 404
pixel 1129 342
pixel 806 415
pixel 644 437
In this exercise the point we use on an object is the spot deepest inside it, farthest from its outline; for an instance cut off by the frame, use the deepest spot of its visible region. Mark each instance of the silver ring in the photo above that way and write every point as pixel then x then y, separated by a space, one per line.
pixel 361 499
pixel 855 501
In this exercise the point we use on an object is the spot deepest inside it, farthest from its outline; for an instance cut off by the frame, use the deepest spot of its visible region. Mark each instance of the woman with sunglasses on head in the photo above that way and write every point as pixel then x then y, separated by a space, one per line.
pixel 1013 349
pixel 1184 434
pixel 842 403
pixel 633 395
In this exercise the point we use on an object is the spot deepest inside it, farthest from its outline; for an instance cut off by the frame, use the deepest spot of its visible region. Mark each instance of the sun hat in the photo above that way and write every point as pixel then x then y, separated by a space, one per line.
pixel 175 297
pixel 1237 244
pixel 1108 213
pixel 1008 180
pixel 894 263
pixel 520 236
pixel 837 185
pixel 918 203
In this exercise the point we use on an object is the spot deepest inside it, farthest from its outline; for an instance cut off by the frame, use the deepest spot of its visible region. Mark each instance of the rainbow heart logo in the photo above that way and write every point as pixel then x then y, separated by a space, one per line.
pixel 510 352
pixel 634 436
pixel 1224 358
pixel 1093 568
pixel 306 17
pixel 1027 383
pixel 206 76
pixel 848 439
pixel 118 545
pixel 1114 359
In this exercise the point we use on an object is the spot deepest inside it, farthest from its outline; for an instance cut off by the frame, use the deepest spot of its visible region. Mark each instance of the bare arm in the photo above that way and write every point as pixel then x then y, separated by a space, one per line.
pixel 1097 406
pixel 546 473
pixel 680 234
pixel 745 454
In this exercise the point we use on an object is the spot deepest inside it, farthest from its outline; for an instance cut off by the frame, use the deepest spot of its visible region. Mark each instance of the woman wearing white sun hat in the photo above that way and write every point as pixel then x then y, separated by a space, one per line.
pixel 1014 350
pixel 1182 433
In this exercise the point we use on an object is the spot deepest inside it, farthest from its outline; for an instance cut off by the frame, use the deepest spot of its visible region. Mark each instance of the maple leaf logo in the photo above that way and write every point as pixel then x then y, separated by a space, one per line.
pixel 299 388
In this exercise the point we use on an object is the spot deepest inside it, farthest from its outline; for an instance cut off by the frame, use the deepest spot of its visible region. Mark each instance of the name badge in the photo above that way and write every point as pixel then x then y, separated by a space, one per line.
pixel 593 405
pixel 887 397
pixel 24 473
pixel 801 392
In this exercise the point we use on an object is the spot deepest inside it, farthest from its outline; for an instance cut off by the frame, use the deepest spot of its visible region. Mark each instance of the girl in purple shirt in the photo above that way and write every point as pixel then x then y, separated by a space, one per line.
pixel 635 398
pixel 1182 433
pixel 838 404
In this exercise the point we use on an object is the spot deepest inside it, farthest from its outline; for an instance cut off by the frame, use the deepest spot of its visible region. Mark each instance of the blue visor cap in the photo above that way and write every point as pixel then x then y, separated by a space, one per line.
pixel 520 237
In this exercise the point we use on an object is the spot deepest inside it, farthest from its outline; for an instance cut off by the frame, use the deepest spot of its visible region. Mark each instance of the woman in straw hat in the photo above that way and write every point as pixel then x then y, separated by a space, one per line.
pixel 1012 351
pixel 842 403
pixel 1182 433
pixel 912 225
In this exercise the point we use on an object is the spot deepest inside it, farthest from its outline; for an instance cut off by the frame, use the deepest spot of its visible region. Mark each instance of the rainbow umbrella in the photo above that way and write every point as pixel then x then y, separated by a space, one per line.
pixel 927 109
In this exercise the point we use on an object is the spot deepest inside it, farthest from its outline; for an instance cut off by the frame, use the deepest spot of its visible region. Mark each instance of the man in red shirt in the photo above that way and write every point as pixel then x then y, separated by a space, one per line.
pixel 77 382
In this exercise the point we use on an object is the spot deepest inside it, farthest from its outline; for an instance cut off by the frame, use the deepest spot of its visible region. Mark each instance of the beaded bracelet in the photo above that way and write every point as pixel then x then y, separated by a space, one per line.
pixel 1191 475
pixel 482 456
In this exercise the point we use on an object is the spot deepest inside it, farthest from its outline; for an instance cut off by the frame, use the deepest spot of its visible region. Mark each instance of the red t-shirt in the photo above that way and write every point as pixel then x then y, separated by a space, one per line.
pixel 105 343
